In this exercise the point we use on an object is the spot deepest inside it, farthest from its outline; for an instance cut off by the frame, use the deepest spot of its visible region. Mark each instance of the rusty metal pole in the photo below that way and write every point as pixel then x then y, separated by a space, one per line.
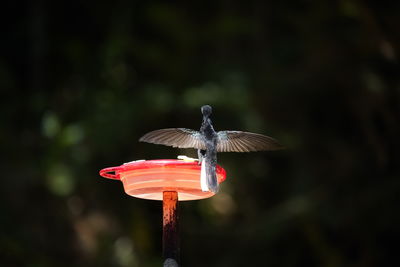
pixel 170 227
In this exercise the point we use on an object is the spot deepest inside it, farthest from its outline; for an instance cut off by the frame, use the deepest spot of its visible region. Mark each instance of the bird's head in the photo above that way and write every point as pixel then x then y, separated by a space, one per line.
pixel 206 110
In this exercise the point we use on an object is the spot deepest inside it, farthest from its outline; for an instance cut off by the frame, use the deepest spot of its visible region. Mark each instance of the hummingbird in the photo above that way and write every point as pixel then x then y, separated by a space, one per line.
pixel 208 142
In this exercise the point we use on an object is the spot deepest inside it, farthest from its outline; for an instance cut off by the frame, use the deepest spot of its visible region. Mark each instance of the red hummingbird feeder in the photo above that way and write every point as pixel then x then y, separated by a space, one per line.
pixel 167 180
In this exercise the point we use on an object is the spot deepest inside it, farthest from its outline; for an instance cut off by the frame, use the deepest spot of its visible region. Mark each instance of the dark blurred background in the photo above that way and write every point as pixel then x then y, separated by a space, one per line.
pixel 81 82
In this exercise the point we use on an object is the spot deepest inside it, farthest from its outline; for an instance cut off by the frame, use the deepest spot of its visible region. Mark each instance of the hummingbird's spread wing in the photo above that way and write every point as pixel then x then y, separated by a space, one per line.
pixel 237 141
pixel 176 137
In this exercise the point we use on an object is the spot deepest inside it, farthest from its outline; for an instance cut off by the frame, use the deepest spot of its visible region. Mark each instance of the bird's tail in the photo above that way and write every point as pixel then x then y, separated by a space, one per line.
pixel 208 177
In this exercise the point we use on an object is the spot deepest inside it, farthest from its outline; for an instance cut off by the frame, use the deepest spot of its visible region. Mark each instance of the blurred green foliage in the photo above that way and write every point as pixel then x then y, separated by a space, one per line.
pixel 81 82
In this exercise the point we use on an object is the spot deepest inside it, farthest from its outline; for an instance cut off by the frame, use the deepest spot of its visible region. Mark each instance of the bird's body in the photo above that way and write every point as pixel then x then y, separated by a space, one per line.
pixel 208 142
pixel 208 157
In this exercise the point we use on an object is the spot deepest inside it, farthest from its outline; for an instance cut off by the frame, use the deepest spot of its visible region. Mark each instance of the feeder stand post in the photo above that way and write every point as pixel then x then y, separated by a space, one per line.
pixel 170 226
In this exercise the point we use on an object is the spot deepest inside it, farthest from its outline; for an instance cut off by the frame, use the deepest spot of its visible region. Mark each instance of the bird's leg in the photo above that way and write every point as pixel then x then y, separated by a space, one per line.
pixel 200 154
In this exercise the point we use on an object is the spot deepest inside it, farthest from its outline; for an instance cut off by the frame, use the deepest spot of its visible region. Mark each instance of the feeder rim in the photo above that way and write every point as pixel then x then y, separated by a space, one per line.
pixel 114 172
